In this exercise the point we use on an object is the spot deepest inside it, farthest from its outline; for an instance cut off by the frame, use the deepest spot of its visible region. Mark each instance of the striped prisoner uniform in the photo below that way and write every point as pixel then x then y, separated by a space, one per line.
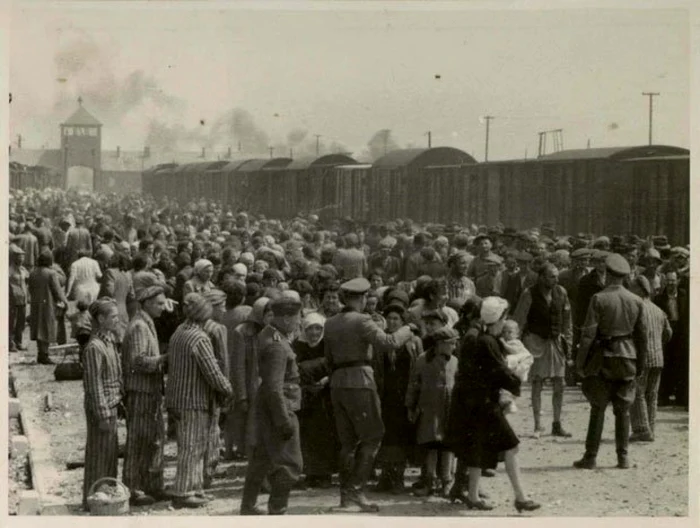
pixel 143 383
pixel 658 329
pixel 219 336
pixel 102 381
pixel 195 381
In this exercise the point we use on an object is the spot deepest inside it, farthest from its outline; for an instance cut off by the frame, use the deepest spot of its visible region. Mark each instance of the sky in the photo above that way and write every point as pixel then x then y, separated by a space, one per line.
pixel 198 76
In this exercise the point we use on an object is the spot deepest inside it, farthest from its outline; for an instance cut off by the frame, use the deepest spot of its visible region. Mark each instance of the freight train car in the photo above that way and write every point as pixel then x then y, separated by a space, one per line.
pixel 37 177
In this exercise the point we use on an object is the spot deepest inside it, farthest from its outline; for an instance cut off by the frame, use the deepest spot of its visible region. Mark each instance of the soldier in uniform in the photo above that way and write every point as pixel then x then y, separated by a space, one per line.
pixel 277 450
pixel 611 356
pixel 356 407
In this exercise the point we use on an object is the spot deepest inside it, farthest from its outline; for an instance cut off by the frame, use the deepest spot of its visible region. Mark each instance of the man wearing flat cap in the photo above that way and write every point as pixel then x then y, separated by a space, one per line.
pixel 347 341
pixel 459 286
pixel 515 284
pixel 277 448
pixel 590 284
pixel 383 260
pixel 142 367
pixel 479 266
pixel 612 355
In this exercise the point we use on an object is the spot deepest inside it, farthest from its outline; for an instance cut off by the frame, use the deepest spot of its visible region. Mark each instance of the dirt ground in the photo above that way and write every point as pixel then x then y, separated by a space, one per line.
pixel 656 485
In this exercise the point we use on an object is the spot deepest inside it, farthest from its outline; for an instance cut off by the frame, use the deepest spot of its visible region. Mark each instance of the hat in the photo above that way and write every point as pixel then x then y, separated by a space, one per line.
pixel 493 259
pixel 643 283
pixel 524 256
pixel 481 236
pixel 397 295
pixel 240 268
pixel 215 297
pixel 492 308
pixel 598 254
pixel 143 294
pixel 285 305
pixel 387 242
pixel 435 314
pixel 653 253
pixel 581 253
pixel 356 286
pixel 445 334
pixel 617 265
pixel 680 251
pixel 16 250
pixel 197 308
pixel 661 242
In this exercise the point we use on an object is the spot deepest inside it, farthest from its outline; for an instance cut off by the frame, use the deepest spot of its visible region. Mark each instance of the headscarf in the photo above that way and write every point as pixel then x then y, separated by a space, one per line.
pixel 258 311
pixel 492 309
pixel 311 319
pixel 201 265
pixel 215 297
pixel 143 294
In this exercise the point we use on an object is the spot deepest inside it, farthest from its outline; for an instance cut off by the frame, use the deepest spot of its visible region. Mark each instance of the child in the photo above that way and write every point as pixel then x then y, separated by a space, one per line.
pixel 81 326
pixel 428 399
pixel 519 361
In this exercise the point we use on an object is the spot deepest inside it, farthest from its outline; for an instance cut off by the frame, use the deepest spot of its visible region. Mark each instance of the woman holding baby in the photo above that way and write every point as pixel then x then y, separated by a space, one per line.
pixel 481 431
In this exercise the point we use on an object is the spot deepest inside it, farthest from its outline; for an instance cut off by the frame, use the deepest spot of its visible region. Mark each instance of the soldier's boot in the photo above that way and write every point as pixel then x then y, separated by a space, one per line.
pixel 596 422
pixel 251 489
pixel 281 485
pixel 364 463
pixel 622 432
pixel 558 430
pixel 346 466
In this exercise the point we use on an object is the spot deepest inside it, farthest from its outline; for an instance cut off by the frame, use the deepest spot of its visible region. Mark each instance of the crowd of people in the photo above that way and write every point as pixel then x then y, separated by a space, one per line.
pixel 315 347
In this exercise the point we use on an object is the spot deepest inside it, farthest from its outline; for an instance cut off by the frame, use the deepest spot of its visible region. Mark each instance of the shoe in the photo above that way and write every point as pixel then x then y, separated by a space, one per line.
pixel 161 495
pixel 358 498
pixel 139 498
pixel 45 361
pixel 539 431
pixel 558 430
pixel 446 488
pixel 641 437
pixel 527 505
pixel 585 463
pixel 623 462
pixel 488 472
pixel 477 505
pixel 253 510
pixel 190 501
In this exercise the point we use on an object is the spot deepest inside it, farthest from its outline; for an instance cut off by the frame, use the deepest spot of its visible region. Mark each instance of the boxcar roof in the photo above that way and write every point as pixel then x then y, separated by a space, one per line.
pixel 320 161
pixel 261 164
pixel 423 157
pixel 616 153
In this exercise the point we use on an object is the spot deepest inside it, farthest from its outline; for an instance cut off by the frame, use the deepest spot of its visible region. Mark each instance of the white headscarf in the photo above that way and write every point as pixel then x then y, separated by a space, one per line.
pixel 311 319
pixel 492 309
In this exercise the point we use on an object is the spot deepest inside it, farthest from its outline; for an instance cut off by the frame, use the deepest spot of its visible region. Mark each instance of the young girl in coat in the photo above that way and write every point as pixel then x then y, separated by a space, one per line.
pixel 428 400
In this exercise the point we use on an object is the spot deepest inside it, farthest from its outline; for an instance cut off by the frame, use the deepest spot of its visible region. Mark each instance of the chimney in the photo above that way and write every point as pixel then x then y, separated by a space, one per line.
pixel 204 152
pixel 146 152
pixel 118 152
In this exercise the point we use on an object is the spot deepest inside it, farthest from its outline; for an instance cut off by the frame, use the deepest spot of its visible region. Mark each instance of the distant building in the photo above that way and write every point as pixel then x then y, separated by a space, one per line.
pixel 84 165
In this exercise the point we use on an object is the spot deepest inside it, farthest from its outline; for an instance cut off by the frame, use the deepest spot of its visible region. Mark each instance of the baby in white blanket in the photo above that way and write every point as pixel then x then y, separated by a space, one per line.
pixel 519 361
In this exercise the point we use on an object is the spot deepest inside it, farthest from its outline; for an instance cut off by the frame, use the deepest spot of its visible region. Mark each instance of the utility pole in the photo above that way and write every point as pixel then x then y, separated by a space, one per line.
pixel 291 153
pixel 317 144
pixel 488 126
pixel 385 141
pixel 271 149
pixel 430 139
pixel 651 96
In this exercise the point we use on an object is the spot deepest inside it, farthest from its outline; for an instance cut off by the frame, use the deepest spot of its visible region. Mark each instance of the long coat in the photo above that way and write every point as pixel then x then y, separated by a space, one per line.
pixel 478 429
pixel 430 392
pixel 45 291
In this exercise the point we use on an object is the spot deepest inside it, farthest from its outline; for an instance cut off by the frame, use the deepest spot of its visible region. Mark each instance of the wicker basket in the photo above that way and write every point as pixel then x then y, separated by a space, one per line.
pixel 111 506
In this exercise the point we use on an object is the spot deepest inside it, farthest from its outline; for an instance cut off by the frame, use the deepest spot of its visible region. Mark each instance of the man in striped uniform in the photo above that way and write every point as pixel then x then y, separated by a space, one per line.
pixel 218 335
pixel 142 365
pixel 277 451
pixel 102 382
pixel 195 387
pixel 643 411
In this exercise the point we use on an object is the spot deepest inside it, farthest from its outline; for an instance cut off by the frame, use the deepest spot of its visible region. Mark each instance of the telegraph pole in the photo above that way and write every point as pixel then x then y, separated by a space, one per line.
pixel 488 125
pixel 430 139
pixel 317 143
pixel 271 149
pixel 651 95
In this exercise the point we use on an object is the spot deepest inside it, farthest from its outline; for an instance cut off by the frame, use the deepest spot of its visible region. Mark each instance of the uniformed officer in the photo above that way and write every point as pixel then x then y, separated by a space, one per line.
pixel 612 354
pixel 348 336
pixel 277 450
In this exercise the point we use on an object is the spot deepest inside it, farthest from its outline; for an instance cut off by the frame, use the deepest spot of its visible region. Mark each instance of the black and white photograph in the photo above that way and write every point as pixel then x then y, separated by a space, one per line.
pixel 357 260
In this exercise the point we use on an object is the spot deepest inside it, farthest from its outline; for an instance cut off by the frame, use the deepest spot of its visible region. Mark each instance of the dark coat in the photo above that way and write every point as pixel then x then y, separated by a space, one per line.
pixel 478 430
pixel 45 291
pixel 513 286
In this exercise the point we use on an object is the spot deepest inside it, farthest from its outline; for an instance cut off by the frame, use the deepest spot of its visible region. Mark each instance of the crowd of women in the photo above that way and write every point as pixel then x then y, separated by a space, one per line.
pixel 167 303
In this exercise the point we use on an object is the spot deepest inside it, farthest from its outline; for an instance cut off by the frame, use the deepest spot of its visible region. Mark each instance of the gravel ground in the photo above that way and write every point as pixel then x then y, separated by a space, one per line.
pixel 656 485
pixel 18 470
